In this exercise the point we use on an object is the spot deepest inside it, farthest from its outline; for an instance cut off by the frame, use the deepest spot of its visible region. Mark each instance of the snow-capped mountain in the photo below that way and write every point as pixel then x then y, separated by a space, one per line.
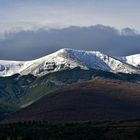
pixel 132 60
pixel 69 59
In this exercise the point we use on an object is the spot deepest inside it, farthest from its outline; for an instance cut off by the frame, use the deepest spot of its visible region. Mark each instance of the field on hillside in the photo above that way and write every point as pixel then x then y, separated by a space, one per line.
pixel 97 99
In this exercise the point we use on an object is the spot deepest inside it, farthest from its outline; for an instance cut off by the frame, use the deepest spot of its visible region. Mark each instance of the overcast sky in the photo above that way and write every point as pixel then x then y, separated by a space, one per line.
pixel 18 14
pixel 25 22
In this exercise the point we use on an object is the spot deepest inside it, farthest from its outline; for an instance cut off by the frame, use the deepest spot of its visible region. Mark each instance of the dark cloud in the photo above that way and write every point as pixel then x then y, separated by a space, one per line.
pixel 27 45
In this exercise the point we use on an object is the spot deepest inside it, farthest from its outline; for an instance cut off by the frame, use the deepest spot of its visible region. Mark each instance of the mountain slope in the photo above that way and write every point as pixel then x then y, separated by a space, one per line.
pixel 132 60
pixel 59 79
pixel 21 91
pixel 67 59
pixel 98 99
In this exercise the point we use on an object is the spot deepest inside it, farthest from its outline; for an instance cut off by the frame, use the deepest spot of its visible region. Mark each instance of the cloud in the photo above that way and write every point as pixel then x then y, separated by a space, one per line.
pixel 120 13
pixel 28 45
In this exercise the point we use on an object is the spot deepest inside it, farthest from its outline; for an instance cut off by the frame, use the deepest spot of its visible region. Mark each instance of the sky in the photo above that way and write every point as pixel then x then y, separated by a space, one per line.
pixel 27 14
pixel 27 27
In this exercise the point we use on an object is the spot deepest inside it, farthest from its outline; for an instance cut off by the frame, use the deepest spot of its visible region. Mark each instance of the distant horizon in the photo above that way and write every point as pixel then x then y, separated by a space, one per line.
pixel 34 29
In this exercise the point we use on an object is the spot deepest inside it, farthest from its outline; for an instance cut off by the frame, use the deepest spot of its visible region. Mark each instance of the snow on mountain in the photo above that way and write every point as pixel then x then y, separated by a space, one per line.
pixel 54 62
pixel 132 60
pixel 68 59
pixel 8 68
pixel 98 60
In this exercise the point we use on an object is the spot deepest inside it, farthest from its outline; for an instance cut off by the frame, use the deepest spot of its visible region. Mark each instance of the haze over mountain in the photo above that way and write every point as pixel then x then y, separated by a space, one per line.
pixel 32 44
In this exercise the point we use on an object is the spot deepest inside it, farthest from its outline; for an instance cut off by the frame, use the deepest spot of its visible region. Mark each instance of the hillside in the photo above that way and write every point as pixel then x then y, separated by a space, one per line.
pixel 91 100
pixel 19 91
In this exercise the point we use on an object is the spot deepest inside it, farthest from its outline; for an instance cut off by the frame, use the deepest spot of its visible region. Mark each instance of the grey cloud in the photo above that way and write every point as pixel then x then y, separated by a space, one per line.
pixel 28 45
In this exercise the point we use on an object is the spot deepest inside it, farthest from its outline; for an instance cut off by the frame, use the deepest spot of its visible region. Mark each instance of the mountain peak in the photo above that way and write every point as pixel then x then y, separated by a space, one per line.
pixel 64 50
pixel 67 58
pixel 69 50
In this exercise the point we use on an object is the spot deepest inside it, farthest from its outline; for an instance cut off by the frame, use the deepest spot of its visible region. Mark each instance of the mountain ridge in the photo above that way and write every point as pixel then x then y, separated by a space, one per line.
pixel 67 58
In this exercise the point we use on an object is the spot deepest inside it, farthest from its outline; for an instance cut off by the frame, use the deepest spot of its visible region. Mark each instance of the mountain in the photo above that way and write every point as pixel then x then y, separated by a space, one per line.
pixel 24 82
pixel 68 59
pixel 132 60
pixel 20 91
pixel 91 100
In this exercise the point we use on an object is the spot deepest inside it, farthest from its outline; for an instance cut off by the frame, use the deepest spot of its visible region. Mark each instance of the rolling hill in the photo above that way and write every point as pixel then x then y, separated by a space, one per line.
pixel 97 99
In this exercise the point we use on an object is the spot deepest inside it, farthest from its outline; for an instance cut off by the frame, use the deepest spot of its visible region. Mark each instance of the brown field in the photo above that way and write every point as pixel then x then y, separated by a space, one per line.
pixel 101 99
